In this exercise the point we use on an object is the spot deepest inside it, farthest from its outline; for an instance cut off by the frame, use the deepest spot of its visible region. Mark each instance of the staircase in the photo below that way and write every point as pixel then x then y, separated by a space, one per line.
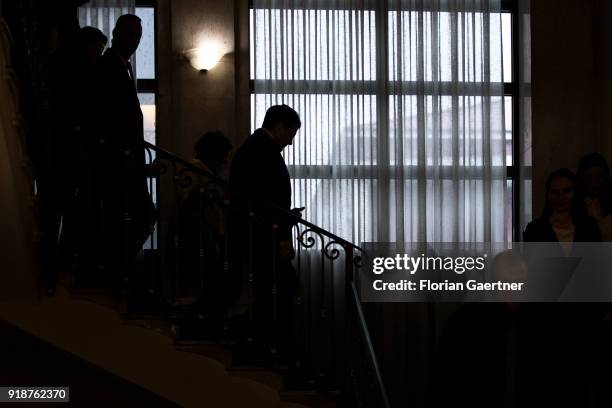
pixel 143 353
pixel 86 329
pixel 26 360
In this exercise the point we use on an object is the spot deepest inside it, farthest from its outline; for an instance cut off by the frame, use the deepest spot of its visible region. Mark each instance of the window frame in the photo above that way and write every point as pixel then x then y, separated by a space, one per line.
pixel 149 85
pixel 511 90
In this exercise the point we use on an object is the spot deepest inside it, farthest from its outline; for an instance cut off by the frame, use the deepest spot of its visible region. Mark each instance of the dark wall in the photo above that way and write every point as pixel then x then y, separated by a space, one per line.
pixel 571 88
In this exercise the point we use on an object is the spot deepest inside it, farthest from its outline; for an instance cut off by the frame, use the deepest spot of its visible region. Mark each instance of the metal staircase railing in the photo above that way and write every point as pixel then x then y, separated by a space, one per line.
pixel 335 350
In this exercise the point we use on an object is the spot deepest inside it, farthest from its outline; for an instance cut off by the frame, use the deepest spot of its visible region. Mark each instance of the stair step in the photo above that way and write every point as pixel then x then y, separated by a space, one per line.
pixel 312 399
pixel 219 351
pixel 27 359
pixel 100 297
pixel 208 349
pixel 76 291
pixel 143 317
pixel 247 368
pixel 154 323
pixel 259 374
pixel 97 335
pixel 216 351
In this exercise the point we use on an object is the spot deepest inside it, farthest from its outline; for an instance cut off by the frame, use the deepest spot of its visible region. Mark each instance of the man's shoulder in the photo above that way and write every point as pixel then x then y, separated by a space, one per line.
pixel 255 154
pixel 109 62
pixel 259 136
pixel 259 140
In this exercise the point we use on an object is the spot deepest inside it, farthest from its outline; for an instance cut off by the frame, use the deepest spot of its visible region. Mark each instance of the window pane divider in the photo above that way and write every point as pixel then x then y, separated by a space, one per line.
pixel 408 172
pixel 350 87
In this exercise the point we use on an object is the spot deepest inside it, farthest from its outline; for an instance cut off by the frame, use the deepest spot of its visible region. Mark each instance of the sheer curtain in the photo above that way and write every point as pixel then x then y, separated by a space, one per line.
pixel 404 134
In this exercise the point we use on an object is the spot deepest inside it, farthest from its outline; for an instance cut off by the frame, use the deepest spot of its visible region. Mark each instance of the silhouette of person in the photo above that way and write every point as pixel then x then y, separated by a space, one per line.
pixel 53 155
pixel 90 44
pixel 563 219
pixel 201 224
pixel 126 214
pixel 478 360
pixel 482 357
pixel 60 22
pixel 595 189
pixel 514 354
pixel 567 332
pixel 212 153
pixel 78 129
pixel 258 171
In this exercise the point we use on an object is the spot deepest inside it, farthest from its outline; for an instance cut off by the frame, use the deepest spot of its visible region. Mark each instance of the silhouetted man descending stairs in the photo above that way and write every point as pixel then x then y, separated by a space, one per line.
pixel 263 242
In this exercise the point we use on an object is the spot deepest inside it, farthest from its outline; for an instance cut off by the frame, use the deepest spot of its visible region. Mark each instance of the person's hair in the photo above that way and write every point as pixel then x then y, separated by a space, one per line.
pixel 577 209
pixel 596 160
pixel 281 114
pixel 211 146
pixel 123 20
pixel 90 35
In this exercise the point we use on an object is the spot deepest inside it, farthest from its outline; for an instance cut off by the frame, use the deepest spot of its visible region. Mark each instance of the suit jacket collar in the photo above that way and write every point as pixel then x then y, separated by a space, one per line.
pixel 268 133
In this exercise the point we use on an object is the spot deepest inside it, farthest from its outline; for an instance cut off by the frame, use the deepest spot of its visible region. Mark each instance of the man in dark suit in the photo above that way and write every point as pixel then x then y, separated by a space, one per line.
pixel 125 215
pixel 50 149
pixel 72 92
pixel 259 173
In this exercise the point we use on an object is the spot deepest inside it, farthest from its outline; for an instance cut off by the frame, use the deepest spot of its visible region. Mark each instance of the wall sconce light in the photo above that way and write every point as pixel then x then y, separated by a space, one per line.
pixel 204 57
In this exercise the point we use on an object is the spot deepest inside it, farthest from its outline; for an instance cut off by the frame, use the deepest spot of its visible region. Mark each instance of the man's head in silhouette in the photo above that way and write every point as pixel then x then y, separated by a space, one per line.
pixel 282 122
pixel 127 34
pixel 90 44
pixel 213 149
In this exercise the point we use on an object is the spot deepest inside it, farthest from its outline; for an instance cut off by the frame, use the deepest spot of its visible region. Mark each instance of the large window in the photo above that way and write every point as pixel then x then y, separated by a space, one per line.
pixel 408 115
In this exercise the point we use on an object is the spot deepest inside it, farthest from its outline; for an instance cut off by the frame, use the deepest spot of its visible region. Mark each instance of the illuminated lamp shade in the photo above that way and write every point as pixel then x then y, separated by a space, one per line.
pixel 204 57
